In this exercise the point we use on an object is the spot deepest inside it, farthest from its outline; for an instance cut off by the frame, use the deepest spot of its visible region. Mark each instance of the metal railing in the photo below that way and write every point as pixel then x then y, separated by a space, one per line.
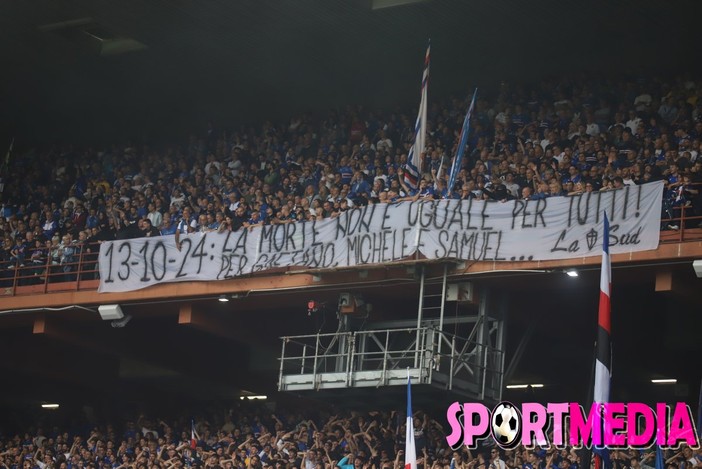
pixel 30 278
pixel 30 275
pixel 682 227
pixel 382 358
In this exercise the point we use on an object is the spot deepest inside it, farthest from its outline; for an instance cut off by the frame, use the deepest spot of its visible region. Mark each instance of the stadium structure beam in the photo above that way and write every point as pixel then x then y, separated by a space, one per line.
pixel 680 287
pixel 282 281
pixel 664 280
pixel 405 323
pixel 519 351
pixel 133 357
pixel 230 329
pixel 191 315
pixel 161 292
pixel 166 292
pixel 666 253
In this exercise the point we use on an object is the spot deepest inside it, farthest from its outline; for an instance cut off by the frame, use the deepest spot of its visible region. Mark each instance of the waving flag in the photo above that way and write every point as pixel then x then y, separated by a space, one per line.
pixel 603 354
pixel 462 141
pixel 193 435
pixel 410 451
pixel 414 159
pixel 604 357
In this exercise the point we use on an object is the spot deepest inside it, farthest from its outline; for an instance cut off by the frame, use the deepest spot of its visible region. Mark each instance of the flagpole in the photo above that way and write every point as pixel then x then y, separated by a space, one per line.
pixel 586 454
pixel 439 173
pixel 462 142
pixel 415 159
pixel 603 349
pixel 410 450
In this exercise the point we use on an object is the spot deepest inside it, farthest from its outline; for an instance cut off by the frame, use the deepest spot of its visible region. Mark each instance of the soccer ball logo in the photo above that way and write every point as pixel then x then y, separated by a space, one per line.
pixel 506 424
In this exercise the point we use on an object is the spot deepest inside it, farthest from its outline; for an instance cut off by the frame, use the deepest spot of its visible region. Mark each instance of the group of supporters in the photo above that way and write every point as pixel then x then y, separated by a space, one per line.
pixel 257 439
pixel 556 138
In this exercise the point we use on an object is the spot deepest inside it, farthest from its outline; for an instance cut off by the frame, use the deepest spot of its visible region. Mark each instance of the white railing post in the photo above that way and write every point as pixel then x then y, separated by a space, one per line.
pixel 419 316
pixel 282 362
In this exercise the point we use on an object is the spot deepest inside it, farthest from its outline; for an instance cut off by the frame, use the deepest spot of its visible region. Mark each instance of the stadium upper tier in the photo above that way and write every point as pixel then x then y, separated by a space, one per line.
pixel 525 143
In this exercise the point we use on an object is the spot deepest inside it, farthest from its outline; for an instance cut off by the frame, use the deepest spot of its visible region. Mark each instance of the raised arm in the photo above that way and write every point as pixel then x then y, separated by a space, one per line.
pixel 400 174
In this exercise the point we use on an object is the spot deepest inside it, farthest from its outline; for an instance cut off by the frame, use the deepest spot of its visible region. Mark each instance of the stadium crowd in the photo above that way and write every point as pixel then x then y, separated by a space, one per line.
pixel 257 439
pixel 556 138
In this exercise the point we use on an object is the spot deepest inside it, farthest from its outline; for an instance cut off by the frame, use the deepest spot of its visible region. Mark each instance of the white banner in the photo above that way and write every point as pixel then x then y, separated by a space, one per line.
pixel 518 230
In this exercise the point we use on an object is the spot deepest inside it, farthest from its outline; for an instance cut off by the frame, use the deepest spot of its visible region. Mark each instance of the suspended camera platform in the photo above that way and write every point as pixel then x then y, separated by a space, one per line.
pixel 383 355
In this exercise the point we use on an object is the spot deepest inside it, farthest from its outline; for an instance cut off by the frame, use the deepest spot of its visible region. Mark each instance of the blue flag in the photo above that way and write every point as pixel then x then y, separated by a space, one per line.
pixel 410 449
pixel 462 141
pixel 603 455
pixel 660 462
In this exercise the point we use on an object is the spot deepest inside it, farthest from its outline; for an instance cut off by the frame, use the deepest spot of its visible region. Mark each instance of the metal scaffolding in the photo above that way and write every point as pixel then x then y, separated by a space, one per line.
pixel 382 354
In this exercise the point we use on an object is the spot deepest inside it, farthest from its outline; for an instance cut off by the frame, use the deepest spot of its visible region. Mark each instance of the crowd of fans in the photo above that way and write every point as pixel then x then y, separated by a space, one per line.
pixel 260 439
pixel 552 139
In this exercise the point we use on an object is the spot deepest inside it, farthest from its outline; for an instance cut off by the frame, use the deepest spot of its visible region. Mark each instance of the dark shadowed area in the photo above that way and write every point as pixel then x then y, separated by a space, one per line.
pixel 155 364
pixel 102 71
